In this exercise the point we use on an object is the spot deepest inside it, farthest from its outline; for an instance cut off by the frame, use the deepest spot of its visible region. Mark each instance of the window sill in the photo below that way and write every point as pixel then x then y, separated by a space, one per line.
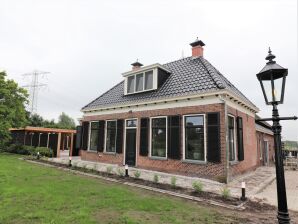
pixel 158 158
pixel 233 162
pixel 109 153
pixel 194 161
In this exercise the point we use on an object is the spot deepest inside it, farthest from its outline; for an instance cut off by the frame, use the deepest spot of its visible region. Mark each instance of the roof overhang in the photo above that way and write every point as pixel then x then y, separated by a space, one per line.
pixel 46 130
pixel 229 95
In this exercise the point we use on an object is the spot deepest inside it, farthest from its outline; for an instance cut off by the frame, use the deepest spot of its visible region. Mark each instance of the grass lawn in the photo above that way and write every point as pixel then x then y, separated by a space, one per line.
pixel 32 193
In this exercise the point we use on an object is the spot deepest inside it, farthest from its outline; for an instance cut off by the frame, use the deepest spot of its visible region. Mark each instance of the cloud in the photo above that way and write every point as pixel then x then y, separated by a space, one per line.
pixel 86 45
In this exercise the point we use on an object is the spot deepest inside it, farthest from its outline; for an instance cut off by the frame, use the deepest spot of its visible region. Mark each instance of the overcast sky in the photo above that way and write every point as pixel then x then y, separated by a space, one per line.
pixel 86 45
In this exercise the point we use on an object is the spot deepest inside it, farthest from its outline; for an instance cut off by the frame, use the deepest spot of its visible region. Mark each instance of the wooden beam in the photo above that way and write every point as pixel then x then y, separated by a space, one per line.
pixel 58 145
pixel 71 144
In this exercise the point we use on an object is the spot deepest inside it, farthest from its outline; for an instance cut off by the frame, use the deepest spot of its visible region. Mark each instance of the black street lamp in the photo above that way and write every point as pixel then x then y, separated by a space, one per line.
pixel 272 79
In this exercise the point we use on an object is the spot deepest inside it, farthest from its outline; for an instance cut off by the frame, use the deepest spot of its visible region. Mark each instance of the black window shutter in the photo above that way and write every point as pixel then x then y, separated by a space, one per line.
pixel 240 138
pixel 213 137
pixel 79 137
pixel 144 135
pixel 174 137
pixel 119 138
pixel 101 136
pixel 85 135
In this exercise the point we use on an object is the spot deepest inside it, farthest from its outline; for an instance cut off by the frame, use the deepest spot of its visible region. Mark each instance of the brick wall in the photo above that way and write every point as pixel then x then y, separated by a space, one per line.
pixel 261 137
pixel 208 170
pixel 250 161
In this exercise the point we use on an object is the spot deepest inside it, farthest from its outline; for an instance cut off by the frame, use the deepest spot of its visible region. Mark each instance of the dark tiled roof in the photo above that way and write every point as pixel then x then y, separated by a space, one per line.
pixel 188 76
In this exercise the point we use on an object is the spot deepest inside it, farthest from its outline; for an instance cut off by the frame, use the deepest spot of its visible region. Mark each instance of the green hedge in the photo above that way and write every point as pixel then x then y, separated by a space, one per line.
pixel 29 150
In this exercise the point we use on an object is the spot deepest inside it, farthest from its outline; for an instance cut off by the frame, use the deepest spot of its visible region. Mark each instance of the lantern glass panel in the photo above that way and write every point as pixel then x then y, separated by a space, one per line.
pixel 277 91
pixel 267 89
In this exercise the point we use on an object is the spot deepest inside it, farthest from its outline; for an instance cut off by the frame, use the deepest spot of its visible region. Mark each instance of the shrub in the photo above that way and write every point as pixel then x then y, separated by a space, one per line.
pixel 155 178
pixel 44 151
pixel 137 174
pixel 197 186
pixel 225 192
pixel 120 172
pixel 109 169
pixel 173 181
pixel 18 149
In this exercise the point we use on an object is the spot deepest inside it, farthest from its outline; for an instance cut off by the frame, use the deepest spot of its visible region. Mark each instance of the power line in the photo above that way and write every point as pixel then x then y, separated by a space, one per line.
pixel 33 88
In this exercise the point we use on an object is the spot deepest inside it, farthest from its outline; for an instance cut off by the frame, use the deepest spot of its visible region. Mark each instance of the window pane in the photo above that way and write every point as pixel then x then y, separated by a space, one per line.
pixel 231 139
pixel 149 80
pixel 231 122
pixel 159 122
pixel 139 82
pixel 194 144
pixel 158 142
pixel 93 139
pixel 131 123
pixel 94 125
pixel 130 84
pixel 111 136
pixel 194 120
pixel 111 124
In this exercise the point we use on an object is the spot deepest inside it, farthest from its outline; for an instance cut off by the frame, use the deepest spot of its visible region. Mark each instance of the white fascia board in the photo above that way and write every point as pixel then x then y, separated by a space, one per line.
pixel 142 69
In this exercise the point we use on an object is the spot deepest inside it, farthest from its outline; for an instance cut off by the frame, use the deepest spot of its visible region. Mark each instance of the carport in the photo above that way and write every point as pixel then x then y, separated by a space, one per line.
pixel 54 138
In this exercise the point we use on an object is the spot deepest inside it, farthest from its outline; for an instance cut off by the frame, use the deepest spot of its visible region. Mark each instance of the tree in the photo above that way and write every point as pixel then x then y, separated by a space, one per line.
pixel 12 107
pixel 36 120
pixel 64 121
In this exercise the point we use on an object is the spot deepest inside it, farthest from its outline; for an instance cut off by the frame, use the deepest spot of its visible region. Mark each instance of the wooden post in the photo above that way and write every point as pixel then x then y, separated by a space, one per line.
pixel 48 140
pixel 58 145
pixel 71 144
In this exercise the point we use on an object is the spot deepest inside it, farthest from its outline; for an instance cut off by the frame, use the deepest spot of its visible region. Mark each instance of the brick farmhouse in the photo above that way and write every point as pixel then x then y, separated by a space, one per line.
pixel 182 117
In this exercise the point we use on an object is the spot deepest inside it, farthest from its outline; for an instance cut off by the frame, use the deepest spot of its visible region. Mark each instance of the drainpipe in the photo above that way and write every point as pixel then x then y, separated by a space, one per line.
pixel 227 167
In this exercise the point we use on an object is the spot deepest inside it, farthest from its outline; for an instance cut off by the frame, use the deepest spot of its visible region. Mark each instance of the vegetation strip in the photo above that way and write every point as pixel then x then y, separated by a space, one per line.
pixel 239 207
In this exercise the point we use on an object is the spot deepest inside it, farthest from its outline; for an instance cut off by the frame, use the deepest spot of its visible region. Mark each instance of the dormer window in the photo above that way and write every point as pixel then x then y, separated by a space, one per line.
pixel 144 79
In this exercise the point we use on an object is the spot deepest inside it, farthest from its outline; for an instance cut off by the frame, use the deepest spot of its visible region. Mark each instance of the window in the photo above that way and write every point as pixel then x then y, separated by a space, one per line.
pixel 194 137
pixel 139 82
pixel 232 138
pixel 131 123
pixel 94 134
pixel 149 80
pixel 159 136
pixel 111 136
pixel 130 84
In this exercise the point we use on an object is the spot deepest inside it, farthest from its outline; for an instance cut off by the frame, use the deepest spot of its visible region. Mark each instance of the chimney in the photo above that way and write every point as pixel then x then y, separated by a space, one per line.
pixel 136 65
pixel 197 48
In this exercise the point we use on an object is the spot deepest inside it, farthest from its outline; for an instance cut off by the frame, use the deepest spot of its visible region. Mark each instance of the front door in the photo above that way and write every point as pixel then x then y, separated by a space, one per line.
pixel 130 142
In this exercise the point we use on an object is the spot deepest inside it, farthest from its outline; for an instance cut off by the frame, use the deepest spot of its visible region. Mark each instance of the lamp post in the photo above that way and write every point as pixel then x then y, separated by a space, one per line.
pixel 273 79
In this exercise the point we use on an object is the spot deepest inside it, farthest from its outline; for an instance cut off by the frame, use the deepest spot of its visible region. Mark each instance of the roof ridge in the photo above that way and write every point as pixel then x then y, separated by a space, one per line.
pixel 213 73
pixel 102 94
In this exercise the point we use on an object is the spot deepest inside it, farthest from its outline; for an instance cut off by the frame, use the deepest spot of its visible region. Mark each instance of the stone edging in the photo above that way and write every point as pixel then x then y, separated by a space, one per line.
pixel 171 193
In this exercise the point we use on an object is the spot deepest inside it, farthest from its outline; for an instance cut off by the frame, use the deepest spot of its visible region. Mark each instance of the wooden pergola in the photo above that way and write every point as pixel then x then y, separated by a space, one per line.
pixel 27 133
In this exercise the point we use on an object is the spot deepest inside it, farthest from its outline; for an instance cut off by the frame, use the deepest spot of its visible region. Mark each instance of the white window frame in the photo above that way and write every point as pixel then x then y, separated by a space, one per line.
pixel 124 140
pixel 154 81
pixel 150 138
pixel 205 140
pixel 106 132
pixel 89 136
pixel 235 139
